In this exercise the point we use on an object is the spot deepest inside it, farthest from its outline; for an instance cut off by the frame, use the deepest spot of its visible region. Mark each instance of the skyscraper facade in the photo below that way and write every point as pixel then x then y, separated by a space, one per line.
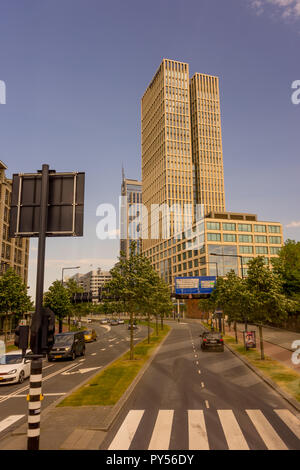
pixel 130 217
pixel 182 164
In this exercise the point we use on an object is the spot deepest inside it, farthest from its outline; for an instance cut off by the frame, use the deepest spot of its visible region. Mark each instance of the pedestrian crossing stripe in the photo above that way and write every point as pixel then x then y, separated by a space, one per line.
pixel 198 438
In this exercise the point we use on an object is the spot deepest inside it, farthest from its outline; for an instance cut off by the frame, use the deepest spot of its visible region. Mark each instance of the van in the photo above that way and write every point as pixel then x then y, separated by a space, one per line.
pixel 67 346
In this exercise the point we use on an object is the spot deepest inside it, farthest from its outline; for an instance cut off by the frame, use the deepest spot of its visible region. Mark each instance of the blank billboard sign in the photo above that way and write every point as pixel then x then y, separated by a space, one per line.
pixel 65 205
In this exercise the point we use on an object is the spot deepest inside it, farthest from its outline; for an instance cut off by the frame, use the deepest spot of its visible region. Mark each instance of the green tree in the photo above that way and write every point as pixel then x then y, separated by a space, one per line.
pixel 267 302
pixel 13 297
pixel 58 299
pixel 287 266
pixel 73 288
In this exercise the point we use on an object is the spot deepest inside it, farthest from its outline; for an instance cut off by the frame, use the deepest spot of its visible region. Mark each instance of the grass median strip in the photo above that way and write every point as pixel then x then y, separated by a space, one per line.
pixel 106 388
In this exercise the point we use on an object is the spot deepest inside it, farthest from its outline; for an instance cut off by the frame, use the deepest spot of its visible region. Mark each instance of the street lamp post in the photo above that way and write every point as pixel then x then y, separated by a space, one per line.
pixel 242 268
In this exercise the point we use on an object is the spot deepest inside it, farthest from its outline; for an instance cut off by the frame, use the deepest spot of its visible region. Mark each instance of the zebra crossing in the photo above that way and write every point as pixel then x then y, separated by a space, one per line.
pixel 199 437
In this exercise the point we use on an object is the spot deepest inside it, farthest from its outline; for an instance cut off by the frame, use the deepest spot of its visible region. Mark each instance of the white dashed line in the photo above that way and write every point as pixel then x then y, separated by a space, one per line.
pixel 206 404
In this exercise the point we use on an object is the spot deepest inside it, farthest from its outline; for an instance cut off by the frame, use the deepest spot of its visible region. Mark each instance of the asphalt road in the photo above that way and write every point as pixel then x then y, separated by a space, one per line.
pixel 60 377
pixel 190 399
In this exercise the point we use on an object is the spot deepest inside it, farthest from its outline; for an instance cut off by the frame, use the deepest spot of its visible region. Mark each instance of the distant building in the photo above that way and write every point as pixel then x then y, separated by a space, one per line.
pixel 92 281
pixel 131 190
pixel 14 251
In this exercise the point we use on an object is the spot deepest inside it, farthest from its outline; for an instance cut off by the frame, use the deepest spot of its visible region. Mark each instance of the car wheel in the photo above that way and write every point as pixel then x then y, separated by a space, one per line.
pixel 21 377
pixel 50 359
pixel 83 352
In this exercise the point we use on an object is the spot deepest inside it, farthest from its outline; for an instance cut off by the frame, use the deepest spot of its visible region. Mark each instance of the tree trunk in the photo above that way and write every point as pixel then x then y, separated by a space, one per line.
pixel 148 329
pixel 60 326
pixel 235 332
pixel 156 319
pixel 162 322
pixel 262 352
pixel 5 330
pixel 131 337
pixel 69 322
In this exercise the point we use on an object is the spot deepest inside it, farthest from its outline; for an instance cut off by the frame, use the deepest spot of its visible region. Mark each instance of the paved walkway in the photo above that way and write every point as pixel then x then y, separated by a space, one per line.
pixel 277 342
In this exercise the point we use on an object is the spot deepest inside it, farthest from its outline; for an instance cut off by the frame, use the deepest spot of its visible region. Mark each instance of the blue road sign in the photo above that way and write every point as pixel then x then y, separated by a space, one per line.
pixel 194 285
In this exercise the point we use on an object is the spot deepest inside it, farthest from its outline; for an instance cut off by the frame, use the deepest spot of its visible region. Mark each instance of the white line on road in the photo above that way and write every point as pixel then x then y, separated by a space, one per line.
pixel 233 433
pixel 93 354
pixel 266 431
pixel 160 439
pixel 5 423
pixel 202 384
pixel 206 404
pixel 199 371
pixel 104 349
pixel 44 394
pixel 197 431
pixel 290 420
pixel 124 436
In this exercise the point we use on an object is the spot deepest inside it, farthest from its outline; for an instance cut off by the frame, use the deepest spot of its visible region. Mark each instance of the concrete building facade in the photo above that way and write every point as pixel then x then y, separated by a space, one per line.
pixel 130 220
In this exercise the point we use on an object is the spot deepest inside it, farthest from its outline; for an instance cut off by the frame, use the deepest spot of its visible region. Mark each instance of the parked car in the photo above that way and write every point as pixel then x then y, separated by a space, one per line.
pixel 134 326
pixel 14 368
pixel 121 322
pixel 90 335
pixel 114 322
pixel 212 340
pixel 89 320
pixel 67 346
pixel 104 321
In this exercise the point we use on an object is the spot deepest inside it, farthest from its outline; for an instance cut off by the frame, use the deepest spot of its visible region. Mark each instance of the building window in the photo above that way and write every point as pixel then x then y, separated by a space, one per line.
pixel 261 250
pixel 214 237
pixel 274 228
pixel 260 228
pixel 229 237
pixel 260 239
pixel 274 240
pixel 229 227
pixel 213 226
pixel 246 249
pixel 244 228
pixel 245 238
pixel 274 250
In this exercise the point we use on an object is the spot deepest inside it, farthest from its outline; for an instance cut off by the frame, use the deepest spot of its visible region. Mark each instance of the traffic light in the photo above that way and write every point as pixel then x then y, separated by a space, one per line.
pixel 48 330
pixel 21 337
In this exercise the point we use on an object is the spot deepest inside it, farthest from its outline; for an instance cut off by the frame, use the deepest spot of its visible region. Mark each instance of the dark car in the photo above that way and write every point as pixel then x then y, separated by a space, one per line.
pixel 134 325
pixel 67 346
pixel 212 340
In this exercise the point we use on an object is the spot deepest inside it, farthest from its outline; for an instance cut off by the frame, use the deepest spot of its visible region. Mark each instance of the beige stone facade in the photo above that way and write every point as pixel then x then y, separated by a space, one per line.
pixel 14 251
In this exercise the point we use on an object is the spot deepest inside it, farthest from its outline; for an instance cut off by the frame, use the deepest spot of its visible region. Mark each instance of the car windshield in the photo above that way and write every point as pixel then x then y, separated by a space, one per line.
pixel 212 335
pixel 87 332
pixel 63 340
pixel 11 359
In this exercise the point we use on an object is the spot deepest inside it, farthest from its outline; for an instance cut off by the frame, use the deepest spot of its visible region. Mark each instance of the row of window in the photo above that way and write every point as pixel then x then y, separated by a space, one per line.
pixel 243 227
pixel 230 237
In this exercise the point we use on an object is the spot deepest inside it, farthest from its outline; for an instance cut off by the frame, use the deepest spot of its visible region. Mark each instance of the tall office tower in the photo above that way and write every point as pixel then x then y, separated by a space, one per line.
pixel 166 145
pixel 14 251
pixel 130 217
pixel 207 152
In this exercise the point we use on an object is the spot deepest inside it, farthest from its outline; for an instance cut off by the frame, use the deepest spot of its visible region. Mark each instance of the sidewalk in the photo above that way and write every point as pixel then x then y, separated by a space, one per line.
pixel 277 342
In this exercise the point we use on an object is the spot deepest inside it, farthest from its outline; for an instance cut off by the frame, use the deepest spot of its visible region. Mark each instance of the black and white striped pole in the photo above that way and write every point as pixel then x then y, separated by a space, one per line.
pixel 35 391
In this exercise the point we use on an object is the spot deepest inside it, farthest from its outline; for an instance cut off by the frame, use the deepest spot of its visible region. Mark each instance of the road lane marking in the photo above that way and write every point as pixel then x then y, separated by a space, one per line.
pixel 206 404
pixel 197 431
pixel 290 420
pixel 266 431
pixel 199 371
pixel 233 433
pixel 44 394
pixel 5 423
pixel 161 435
pixel 124 436
pixel 104 349
pixel 93 354
pixel 202 384
pixel 81 371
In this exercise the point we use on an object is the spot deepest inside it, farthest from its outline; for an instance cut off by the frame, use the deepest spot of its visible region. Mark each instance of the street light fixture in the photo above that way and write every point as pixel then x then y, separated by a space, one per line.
pixel 62 272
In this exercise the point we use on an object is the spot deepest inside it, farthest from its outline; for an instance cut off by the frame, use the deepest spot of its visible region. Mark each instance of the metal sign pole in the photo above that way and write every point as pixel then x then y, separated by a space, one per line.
pixel 35 390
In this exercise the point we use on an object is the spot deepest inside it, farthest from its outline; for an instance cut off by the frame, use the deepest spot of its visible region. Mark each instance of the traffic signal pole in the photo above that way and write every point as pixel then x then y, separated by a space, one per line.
pixel 35 389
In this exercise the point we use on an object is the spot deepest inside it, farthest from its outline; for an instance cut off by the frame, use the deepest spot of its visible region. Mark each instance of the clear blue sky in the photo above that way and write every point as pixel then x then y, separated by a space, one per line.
pixel 75 71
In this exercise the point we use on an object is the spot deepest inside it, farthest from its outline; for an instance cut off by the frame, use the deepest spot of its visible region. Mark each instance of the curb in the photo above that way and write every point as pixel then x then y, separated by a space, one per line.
pixel 126 395
pixel 268 381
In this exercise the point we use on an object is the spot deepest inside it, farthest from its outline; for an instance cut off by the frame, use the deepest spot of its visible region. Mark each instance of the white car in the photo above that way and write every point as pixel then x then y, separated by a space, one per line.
pixel 14 368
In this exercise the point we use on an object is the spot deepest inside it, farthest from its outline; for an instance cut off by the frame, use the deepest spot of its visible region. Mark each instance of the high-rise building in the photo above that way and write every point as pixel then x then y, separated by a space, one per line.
pixel 14 251
pixel 182 164
pixel 130 217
